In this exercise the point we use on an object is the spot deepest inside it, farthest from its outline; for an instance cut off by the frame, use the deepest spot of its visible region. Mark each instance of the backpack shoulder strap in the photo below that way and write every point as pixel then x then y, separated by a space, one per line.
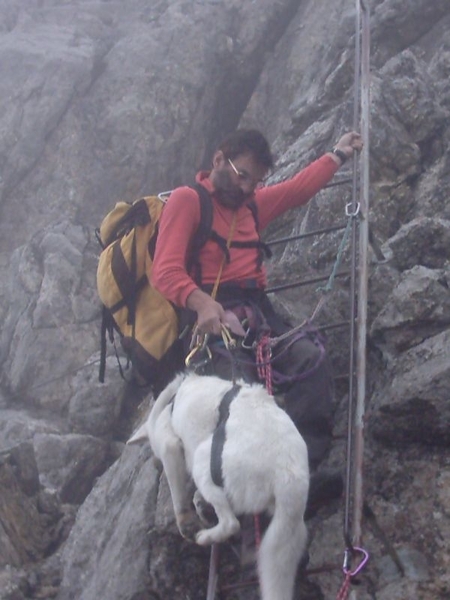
pixel 206 216
pixel 254 210
pixel 203 232
pixel 263 249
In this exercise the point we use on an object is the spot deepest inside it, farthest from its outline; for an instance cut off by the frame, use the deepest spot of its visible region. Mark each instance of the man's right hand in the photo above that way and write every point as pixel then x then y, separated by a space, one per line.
pixel 210 314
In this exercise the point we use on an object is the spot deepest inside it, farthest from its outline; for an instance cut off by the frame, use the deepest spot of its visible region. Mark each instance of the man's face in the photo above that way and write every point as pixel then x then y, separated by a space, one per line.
pixel 235 180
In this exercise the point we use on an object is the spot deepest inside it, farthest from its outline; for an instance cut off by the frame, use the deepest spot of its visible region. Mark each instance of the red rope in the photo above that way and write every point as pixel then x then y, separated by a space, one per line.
pixel 264 368
pixel 257 531
pixel 263 359
pixel 343 592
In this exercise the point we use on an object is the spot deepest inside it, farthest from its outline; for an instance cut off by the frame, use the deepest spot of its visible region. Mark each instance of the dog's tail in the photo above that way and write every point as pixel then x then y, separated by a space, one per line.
pixel 139 434
pixel 283 545
pixel 161 402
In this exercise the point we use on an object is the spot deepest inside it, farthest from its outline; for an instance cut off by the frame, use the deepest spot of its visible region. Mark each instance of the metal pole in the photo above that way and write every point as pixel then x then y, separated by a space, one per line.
pixel 302 282
pixel 362 275
pixel 349 480
pixel 213 572
pixel 300 236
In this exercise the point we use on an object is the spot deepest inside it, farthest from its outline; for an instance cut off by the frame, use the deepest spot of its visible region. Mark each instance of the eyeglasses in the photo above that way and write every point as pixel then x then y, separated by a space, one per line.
pixel 245 177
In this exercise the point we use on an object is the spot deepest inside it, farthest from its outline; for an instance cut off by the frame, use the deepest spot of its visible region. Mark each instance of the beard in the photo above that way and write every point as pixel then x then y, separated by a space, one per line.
pixel 228 193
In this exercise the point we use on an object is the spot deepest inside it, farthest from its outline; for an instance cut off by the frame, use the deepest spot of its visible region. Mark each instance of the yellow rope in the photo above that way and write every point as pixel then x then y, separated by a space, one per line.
pixel 200 342
pixel 229 240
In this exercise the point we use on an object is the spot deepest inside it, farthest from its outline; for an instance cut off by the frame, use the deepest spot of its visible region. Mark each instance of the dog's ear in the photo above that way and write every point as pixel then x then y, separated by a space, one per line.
pixel 139 435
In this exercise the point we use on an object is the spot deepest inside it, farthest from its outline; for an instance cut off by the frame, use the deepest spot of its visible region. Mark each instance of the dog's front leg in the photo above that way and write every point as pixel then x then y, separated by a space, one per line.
pixel 168 447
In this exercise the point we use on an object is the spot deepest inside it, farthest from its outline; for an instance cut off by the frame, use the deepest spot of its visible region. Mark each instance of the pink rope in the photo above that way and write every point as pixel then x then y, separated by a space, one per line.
pixel 264 373
pixel 343 592
pixel 263 356
pixel 257 525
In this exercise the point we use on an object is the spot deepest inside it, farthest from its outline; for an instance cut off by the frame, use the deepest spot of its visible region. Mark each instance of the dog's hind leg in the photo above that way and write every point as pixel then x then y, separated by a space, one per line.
pixel 283 544
pixel 227 524
pixel 204 510
pixel 170 452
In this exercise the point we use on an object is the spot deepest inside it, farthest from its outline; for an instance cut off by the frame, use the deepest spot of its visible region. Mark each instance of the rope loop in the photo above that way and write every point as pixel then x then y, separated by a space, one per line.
pixel 329 285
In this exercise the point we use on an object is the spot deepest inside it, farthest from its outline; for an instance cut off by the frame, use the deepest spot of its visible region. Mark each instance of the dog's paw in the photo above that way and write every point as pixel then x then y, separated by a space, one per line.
pixel 189 525
pixel 221 532
pixel 204 510
pixel 204 538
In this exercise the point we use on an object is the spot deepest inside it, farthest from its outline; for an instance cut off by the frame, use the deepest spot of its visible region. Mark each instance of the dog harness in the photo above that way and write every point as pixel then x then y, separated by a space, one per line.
pixel 218 439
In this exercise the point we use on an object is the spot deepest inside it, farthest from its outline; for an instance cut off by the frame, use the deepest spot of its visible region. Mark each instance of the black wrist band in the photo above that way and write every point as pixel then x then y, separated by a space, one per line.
pixel 340 154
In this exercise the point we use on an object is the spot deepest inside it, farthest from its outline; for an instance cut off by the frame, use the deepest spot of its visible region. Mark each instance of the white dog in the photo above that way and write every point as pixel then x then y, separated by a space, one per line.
pixel 262 461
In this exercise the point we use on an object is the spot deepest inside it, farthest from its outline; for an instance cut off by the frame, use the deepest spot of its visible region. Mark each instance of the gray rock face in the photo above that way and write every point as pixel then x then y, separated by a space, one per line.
pixel 33 520
pixel 417 307
pixel 70 464
pixel 122 507
pixel 102 101
pixel 423 241
pixel 417 396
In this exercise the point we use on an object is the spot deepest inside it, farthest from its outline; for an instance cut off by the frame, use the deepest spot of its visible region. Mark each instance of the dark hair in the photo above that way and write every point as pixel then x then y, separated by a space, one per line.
pixel 248 141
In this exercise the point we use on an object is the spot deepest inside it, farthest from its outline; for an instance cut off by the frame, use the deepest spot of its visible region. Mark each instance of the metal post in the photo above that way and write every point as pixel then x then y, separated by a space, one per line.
pixel 359 279
pixel 349 486
pixel 362 273
pixel 213 572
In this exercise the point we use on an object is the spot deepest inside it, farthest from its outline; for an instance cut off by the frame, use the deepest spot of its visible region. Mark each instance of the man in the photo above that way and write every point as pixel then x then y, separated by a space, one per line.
pixel 239 166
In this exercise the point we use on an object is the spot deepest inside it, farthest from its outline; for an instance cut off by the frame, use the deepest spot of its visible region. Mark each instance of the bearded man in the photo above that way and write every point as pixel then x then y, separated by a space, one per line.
pixel 232 257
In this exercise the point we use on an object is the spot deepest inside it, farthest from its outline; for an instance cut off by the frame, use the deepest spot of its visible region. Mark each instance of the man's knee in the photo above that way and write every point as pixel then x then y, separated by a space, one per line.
pixel 303 357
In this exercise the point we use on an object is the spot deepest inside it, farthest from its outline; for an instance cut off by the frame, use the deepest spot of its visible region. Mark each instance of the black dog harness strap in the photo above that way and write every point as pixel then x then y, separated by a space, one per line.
pixel 218 439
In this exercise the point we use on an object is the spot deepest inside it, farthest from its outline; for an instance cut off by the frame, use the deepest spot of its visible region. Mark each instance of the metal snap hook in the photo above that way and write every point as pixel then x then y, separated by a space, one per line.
pixel 347 555
pixel 349 213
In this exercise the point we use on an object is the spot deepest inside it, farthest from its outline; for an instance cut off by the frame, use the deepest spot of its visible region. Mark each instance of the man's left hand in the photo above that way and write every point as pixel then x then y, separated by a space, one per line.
pixel 350 142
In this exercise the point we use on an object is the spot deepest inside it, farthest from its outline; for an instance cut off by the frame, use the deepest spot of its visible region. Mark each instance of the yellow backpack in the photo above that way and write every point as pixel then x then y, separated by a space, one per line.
pixel 146 322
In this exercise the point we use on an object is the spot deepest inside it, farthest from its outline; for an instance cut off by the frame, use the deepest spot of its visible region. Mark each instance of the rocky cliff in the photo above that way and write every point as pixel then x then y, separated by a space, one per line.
pixel 104 100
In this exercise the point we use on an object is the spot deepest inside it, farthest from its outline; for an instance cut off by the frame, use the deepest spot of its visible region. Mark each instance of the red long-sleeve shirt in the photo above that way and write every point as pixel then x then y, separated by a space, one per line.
pixel 181 217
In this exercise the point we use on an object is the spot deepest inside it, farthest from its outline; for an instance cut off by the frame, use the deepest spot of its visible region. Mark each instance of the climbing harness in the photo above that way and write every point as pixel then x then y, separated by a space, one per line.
pixel 265 343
